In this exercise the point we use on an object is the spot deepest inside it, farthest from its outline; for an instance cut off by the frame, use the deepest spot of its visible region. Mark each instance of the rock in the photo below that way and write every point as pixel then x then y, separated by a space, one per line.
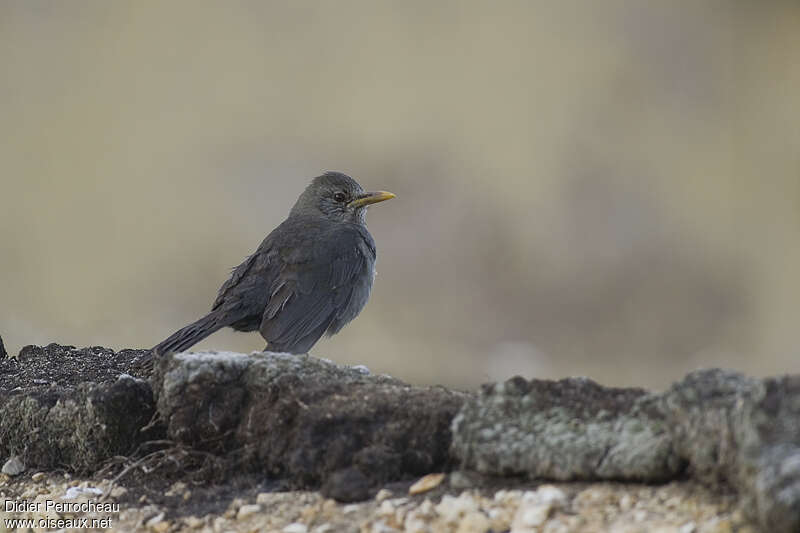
pixel 465 479
pixel 118 492
pixel 451 509
pixel 387 508
pixel 192 522
pixel 177 488
pixel 474 522
pixel 529 518
pixel 14 466
pixel 247 510
pixel 303 418
pixel 421 518
pixel 295 527
pixel 157 523
pixel 745 432
pixel 571 429
pixel 82 492
pixel 551 495
pixel 347 485
pixel 426 483
pixel 721 427
pixel 3 353
pixel 535 508
pixel 92 409
pixel 38 476
pixel 383 494
pixel 160 527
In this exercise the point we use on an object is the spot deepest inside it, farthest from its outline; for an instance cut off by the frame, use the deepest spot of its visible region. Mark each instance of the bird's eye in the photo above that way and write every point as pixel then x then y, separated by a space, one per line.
pixel 340 197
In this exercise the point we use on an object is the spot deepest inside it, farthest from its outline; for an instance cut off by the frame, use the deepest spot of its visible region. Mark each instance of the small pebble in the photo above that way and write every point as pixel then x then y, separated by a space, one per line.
pixel 160 527
pixel 118 492
pixel 295 527
pixel 474 522
pixel 426 483
pixel 155 522
pixel 625 502
pixel 551 495
pixel 528 518
pixel 386 508
pixel 247 510
pixel 452 508
pixel 383 494
pixel 38 476
pixel 83 491
pixel 176 488
pixel 193 522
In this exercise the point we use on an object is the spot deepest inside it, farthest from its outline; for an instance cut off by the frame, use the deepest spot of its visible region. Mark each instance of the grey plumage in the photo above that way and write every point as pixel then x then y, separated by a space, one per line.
pixel 310 276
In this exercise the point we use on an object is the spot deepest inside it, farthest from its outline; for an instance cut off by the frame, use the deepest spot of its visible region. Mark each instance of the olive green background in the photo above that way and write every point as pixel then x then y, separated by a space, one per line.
pixel 609 189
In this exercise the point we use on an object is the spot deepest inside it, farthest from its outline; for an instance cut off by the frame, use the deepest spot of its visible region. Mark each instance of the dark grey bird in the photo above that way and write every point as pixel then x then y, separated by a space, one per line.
pixel 310 276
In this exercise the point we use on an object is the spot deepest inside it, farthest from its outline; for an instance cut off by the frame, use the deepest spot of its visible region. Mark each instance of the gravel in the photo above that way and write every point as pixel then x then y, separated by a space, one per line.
pixel 677 507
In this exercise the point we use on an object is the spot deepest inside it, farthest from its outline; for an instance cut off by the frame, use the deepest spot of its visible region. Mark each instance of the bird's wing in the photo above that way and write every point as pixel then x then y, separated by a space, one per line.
pixel 315 287
pixel 245 294
pixel 236 276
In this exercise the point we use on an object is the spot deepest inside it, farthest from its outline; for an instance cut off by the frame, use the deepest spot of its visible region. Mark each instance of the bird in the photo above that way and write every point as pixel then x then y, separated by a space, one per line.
pixel 309 277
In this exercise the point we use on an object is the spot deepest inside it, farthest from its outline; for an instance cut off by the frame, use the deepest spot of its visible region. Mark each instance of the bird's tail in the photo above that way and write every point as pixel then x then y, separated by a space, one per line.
pixel 190 335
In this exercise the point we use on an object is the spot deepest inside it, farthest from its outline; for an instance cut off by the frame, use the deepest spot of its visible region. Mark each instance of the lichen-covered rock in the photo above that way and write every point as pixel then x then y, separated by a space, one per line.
pixel 704 411
pixel 304 418
pixel 64 407
pixel 744 432
pixel 718 426
pixel 565 430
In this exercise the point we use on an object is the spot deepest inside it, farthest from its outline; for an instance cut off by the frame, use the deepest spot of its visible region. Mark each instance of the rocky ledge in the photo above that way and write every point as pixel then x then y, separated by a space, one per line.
pixel 287 422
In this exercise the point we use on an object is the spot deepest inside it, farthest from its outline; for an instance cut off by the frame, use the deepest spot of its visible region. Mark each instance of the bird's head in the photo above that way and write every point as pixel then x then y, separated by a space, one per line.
pixel 337 197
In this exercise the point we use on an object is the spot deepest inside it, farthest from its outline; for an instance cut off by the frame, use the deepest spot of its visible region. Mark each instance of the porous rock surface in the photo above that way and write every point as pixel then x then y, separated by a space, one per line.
pixel 717 426
pixel 572 429
pixel 306 419
pixel 62 407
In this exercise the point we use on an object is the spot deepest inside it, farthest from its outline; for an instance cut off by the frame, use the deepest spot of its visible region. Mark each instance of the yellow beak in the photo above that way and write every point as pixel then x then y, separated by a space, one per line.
pixel 370 198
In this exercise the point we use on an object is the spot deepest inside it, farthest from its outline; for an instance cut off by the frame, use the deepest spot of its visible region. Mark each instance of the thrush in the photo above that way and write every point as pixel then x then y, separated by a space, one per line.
pixel 309 277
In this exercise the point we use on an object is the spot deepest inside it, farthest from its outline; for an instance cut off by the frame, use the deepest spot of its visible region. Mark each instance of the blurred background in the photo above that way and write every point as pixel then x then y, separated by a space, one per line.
pixel 608 189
